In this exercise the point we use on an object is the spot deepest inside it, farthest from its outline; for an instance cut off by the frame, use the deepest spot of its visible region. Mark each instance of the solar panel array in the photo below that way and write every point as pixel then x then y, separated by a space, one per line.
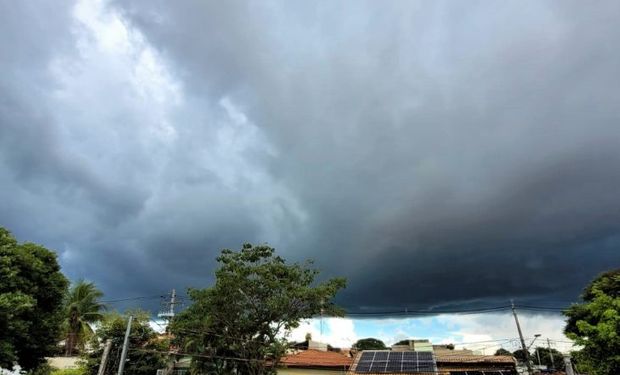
pixel 395 362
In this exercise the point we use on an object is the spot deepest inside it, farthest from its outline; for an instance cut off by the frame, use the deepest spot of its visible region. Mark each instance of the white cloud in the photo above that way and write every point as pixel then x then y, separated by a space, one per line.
pixel 338 332
pixel 486 327
pixel 484 333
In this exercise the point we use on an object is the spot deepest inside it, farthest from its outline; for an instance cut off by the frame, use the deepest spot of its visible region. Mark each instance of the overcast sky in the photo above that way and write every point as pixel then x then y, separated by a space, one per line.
pixel 437 154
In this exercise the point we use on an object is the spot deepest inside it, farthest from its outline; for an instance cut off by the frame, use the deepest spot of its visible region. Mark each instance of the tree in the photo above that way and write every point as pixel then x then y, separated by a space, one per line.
pixel 520 355
pixel 146 350
pixel 257 298
pixel 82 308
pixel 502 351
pixel 369 344
pixel 545 358
pixel 31 295
pixel 594 324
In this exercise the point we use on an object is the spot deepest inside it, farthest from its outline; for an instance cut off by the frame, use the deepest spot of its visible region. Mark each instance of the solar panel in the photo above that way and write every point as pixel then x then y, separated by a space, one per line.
pixel 410 356
pixel 363 367
pixel 396 356
pixel 395 362
pixel 393 367
pixel 409 366
pixel 424 356
pixel 378 366
pixel 381 356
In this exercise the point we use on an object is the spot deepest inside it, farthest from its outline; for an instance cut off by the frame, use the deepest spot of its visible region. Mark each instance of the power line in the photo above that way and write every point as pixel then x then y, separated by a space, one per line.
pixel 197 355
pixel 400 312
pixel 131 299
pixel 453 311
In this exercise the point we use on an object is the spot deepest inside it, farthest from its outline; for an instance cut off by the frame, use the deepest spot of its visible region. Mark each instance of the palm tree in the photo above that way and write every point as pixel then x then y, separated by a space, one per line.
pixel 82 308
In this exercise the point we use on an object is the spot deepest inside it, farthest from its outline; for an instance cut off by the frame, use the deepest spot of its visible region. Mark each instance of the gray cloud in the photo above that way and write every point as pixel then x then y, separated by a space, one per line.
pixel 435 154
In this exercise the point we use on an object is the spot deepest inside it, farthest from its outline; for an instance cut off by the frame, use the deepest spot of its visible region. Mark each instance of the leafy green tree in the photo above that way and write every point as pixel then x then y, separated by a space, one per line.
pixel 369 344
pixel 31 300
pixel 545 358
pixel 594 324
pixel 146 352
pixel 82 308
pixel 502 351
pixel 257 298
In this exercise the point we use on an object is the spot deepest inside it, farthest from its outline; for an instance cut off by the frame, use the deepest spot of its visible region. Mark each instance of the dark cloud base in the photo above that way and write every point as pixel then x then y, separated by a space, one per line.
pixel 438 156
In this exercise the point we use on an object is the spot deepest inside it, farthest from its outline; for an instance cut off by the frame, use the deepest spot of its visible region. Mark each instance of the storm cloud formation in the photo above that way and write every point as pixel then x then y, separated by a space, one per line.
pixel 436 154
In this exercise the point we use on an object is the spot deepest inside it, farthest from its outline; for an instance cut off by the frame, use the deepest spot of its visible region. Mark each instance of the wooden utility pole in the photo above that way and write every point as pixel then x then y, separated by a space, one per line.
pixel 525 351
pixel 104 357
pixel 121 365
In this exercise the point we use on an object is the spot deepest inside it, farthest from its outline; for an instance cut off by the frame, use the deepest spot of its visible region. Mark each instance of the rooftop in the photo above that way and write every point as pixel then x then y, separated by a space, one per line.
pixel 316 358
pixel 470 358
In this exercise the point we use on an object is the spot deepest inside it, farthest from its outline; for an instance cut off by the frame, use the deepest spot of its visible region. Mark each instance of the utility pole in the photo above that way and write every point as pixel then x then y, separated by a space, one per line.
pixel 121 365
pixel 525 351
pixel 173 299
pixel 569 365
pixel 550 353
pixel 322 311
pixel 104 357
pixel 167 310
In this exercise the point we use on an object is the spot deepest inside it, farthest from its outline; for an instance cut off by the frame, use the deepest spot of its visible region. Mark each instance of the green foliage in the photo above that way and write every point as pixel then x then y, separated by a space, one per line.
pixel 502 351
pixel 595 325
pixel 257 297
pixel 545 358
pixel 42 369
pixel 369 344
pixel 145 355
pixel 31 296
pixel 69 371
pixel 403 342
pixel 82 308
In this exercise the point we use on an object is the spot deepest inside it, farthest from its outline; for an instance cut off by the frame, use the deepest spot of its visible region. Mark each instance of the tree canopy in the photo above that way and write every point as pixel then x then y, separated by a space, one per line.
pixel 369 344
pixel 502 351
pixel 594 324
pixel 553 358
pixel 31 302
pixel 146 354
pixel 520 355
pixel 256 299
pixel 82 308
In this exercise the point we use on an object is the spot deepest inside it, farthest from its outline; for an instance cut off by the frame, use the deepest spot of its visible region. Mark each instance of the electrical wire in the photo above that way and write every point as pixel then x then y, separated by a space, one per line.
pixel 386 313
pixel 131 299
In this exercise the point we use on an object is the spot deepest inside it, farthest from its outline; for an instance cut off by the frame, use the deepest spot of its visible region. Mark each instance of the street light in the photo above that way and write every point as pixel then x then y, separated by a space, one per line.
pixel 532 343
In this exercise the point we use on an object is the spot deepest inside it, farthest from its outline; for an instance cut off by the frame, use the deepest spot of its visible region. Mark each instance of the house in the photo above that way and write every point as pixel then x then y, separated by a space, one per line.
pixel 386 362
pixel 422 345
pixel 312 361
pixel 471 364
pixel 64 363
pixel 311 344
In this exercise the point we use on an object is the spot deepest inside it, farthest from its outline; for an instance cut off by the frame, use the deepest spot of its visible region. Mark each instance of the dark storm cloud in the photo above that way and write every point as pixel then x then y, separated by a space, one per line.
pixel 436 154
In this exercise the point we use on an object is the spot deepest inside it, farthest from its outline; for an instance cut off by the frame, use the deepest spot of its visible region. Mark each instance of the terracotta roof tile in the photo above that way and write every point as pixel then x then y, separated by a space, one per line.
pixel 447 358
pixel 316 358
